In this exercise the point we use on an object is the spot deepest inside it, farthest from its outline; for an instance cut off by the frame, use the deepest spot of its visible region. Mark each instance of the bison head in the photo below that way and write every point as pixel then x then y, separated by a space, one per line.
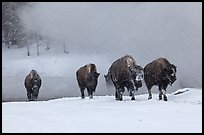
pixel 96 75
pixel 138 75
pixel 170 74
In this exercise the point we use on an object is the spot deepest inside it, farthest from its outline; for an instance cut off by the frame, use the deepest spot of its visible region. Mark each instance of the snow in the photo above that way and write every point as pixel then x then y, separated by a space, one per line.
pixel 103 114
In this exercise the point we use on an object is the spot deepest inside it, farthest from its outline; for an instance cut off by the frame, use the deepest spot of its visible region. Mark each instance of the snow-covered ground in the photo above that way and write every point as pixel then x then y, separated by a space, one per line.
pixel 181 113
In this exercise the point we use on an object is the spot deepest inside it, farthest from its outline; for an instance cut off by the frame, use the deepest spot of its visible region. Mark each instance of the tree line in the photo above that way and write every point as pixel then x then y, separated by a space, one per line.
pixel 13 33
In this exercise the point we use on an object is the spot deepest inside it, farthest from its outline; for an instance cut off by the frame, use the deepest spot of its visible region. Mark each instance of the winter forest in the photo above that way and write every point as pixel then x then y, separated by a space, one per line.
pixel 58 38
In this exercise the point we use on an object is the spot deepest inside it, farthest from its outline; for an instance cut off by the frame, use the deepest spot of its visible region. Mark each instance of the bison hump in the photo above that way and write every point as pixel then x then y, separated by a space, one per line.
pixel 130 61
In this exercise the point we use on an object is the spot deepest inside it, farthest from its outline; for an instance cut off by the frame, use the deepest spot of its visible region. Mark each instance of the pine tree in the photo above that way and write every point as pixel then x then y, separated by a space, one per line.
pixel 12 30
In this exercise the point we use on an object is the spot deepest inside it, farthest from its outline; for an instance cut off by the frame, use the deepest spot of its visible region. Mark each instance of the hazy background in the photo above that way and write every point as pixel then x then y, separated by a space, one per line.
pixel 108 31
pixel 144 30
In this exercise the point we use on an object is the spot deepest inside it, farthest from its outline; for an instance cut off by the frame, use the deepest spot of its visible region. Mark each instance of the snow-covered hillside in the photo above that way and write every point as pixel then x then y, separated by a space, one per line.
pixel 181 113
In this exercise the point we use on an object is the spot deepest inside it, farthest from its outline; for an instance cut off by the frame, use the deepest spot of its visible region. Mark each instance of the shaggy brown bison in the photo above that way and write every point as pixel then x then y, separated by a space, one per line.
pixel 125 73
pixel 32 84
pixel 161 73
pixel 87 77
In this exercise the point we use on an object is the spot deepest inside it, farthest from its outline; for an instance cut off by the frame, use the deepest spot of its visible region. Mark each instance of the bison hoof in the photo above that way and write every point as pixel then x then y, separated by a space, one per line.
pixel 149 98
pixel 165 98
pixel 160 98
pixel 119 98
pixel 133 98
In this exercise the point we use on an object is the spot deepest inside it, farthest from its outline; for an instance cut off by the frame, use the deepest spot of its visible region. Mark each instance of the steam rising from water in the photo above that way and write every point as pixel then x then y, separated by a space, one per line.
pixel 144 30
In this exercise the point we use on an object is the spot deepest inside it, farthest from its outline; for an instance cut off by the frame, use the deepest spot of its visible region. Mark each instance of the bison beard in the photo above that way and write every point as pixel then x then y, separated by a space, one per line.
pixel 32 84
pixel 87 77
pixel 123 73
pixel 161 73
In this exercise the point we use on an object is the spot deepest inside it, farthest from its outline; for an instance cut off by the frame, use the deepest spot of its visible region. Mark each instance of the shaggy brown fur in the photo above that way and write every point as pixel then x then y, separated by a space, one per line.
pixel 159 72
pixel 32 84
pixel 87 77
pixel 123 73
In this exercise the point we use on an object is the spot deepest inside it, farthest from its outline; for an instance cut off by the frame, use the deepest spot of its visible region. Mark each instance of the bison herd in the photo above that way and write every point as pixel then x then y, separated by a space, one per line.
pixel 123 73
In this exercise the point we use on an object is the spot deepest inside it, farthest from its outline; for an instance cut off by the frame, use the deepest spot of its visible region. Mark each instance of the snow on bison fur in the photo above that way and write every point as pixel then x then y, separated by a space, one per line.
pixel 125 73
pixel 159 72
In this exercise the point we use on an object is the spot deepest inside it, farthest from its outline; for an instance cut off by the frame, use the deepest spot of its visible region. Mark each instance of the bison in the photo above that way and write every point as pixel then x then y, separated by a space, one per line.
pixel 87 77
pixel 159 72
pixel 125 73
pixel 108 80
pixel 32 84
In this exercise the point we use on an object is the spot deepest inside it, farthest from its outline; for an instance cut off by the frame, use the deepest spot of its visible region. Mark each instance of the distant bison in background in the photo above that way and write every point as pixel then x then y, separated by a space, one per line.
pixel 161 73
pixel 87 77
pixel 125 73
pixel 32 84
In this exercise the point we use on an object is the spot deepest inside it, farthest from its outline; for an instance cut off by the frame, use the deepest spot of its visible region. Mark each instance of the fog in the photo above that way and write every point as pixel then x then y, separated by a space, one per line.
pixel 144 30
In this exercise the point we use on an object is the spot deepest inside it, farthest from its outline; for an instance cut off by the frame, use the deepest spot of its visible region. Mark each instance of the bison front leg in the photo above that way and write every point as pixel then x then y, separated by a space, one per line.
pixel 149 92
pixel 35 96
pixel 82 92
pixel 162 92
pixel 120 93
pixel 29 95
pixel 132 88
pixel 133 95
pixel 90 93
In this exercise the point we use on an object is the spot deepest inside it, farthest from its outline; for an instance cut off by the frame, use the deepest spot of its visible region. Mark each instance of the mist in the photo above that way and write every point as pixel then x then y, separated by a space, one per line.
pixel 144 30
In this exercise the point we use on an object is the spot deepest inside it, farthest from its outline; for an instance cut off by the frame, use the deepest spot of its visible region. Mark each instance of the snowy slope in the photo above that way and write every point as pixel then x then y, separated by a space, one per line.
pixel 181 113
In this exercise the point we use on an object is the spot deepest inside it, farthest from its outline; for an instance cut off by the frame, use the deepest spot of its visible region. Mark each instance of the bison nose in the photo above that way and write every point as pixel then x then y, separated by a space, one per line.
pixel 138 78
